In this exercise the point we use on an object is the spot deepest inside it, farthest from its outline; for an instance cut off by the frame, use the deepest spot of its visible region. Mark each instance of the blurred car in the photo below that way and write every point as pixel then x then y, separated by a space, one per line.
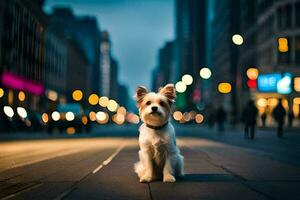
pixel 67 117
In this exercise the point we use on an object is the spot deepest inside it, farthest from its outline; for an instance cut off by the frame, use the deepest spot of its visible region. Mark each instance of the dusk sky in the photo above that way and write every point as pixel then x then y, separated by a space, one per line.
pixel 138 28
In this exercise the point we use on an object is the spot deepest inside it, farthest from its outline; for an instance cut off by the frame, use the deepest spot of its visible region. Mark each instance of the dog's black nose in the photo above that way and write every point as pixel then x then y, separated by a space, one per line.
pixel 154 108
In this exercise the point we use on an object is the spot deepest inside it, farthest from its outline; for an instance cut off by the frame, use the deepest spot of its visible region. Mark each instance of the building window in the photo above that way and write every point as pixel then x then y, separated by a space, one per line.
pixel 284 57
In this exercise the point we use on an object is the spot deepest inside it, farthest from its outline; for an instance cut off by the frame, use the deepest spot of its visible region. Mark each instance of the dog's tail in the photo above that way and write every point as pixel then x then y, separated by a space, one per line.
pixel 139 169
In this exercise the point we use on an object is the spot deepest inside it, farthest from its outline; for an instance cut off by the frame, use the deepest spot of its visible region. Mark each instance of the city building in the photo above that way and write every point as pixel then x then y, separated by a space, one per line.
pixel 162 74
pixel 22 53
pixel 190 46
pixel 225 54
pixel 85 32
pixel 108 68
pixel 272 45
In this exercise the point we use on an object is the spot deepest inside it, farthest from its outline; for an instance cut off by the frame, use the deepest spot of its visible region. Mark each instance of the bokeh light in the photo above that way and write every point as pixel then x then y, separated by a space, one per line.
pixel 84 120
pixel 205 73
pixel 187 79
pixel 237 39
pixel 272 102
pixel 55 116
pixel 283 45
pixel 70 130
pixel 9 112
pixel 93 99
pixel 180 87
pixel 21 96
pixel 112 105
pixel 224 88
pixel 297 84
pixel 261 102
pixel 177 115
pixel 1 92
pixel 70 116
pixel 22 112
pixel 199 118
pixel 103 101
pixel 45 117
pixel 92 116
pixel 252 73
pixel 77 95
pixel 100 116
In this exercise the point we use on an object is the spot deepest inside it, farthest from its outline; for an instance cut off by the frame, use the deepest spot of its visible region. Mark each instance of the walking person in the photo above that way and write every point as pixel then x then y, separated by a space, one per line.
pixel 221 118
pixel 249 118
pixel 279 115
pixel 291 118
pixel 263 119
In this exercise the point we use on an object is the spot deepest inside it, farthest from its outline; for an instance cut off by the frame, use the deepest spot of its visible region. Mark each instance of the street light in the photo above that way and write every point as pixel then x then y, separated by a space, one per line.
pixel 9 112
pixel 93 99
pixel 22 112
pixel 205 73
pixel 180 87
pixel 55 116
pixel 187 79
pixel 21 96
pixel 237 39
pixel 224 88
pixel 252 73
pixel 77 95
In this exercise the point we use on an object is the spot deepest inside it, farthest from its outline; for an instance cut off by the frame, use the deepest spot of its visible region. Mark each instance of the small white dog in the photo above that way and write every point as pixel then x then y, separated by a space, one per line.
pixel 159 154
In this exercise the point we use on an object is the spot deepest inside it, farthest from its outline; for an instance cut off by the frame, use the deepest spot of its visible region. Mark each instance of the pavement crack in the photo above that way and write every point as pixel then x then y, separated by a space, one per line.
pixel 150 192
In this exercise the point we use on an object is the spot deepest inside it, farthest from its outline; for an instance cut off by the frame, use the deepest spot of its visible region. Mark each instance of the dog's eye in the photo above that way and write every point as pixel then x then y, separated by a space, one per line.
pixel 162 103
pixel 148 103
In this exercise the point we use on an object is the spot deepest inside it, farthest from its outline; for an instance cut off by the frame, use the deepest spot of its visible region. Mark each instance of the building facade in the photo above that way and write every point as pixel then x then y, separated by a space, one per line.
pixel 225 54
pixel 272 39
pixel 190 45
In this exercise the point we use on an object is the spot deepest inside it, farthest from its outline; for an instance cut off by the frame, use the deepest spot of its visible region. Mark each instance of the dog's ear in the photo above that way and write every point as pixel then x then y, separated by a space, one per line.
pixel 169 92
pixel 140 93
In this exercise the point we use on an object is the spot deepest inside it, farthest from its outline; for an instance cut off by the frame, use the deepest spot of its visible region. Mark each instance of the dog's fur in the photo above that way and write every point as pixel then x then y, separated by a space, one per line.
pixel 159 154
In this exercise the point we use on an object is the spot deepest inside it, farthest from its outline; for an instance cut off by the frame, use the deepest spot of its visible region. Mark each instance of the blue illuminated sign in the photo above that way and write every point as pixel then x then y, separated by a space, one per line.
pixel 284 85
pixel 268 82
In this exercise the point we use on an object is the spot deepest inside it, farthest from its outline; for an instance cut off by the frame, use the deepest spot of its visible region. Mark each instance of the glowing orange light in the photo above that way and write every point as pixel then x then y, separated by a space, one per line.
pixel 177 115
pixel 252 73
pixel 77 95
pixel 199 118
pixel 93 99
pixel 224 88
pixel 283 45
pixel 45 117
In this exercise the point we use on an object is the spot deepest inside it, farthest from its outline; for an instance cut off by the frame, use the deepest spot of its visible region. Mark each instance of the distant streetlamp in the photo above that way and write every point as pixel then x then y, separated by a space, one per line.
pixel 180 87
pixel 224 88
pixel 77 95
pixel 187 79
pixel 205 73
pixel 93 99
pixel 237 39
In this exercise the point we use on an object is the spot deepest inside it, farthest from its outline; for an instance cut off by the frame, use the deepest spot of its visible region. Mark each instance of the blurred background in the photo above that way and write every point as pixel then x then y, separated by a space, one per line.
pixel 69 66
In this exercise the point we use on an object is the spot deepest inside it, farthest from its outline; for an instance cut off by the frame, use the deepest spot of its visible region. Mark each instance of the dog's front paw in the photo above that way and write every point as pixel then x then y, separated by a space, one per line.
pixel 169 178
pixel 145 179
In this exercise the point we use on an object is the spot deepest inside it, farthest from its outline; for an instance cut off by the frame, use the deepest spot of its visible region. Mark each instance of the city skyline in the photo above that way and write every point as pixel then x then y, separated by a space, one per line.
pixel 132 31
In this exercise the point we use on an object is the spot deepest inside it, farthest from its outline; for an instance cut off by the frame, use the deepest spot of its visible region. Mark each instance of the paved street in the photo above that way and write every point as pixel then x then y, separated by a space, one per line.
pixel 217 167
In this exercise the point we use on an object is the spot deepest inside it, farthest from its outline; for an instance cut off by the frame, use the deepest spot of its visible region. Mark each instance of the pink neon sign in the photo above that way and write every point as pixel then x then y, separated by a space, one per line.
pixel 19 83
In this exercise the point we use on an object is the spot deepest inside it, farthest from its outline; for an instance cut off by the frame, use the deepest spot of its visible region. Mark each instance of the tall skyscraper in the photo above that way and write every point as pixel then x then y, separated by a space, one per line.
pixel 190 44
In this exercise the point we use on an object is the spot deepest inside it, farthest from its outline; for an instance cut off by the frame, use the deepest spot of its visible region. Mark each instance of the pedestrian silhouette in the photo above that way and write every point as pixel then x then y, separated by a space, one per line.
pixel 291 118
pixel 279 115
pixel 221 118
pixel 263 119
pixel 249 118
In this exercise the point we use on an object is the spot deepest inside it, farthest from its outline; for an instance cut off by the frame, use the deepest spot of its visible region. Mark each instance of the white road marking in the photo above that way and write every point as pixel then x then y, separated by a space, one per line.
pixel 109 159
